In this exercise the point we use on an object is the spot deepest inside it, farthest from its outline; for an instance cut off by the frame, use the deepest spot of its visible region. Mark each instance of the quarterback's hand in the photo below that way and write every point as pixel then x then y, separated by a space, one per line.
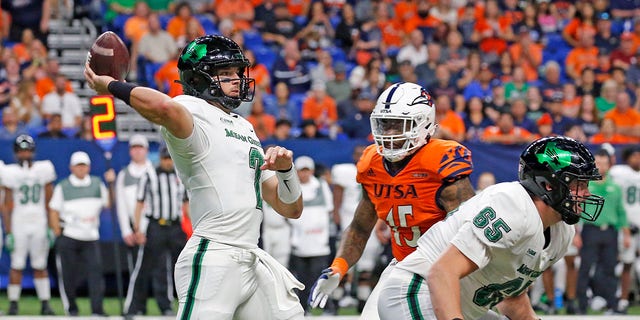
pixel 96 82
pixel 324 286
pixel 9 243
pixel 277 158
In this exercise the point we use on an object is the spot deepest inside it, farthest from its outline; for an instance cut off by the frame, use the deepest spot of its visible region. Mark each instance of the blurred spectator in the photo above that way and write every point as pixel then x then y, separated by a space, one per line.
pixel 357 125
pixel 608 134
pixel 426 71
pixel 454 54
pixel 545 126
pixel 470 71
pixel 318 33
pixel 588 115
pixel 45 82
pixel 467 25
pixel 165 78
pixel 263 123
pixel 518 85
pixel 118 7
pixel 551 83
pixel 505 132
pixel 622 56
pixel 605 39
pixel 309 130
pixel 519 111
pixel 450 124
pixel 310 251
pixel 493 30
pixel 282 28
pixel 362 74
pixel 560 121
pixel 194 30
pixel 633 73
pixel 443 84
pixel 177 25
pixel 583 24
pixel 415 51
pixel 9 81
pixel 286 108
pixel 283 130
pixel 137 25
pixel 86 130
pixel 54 128
pixel 604 69
pixel 10 128
pixel 626 118
pixel 475 120
pixel 26 105
pixel 406 72
pixel 5 24
pixel 291 70
pixel 422 20
pixel 535 103
pixel 486 179
pixel 37 64
pixel 444 11
pixel 155 47
pixel 504 67
pixel 258 71
pixel 323 71
pixel 606 100
pixel 405 10
pixel 393 36
pixel 22 49
pixel 571 101
pixel 482 85
pixel 369 41
pixel 575 132
pixel 28 14
pixel 547 17
pixel 339 88
pixel 297 8
pixel 264 14
pixel 497 101
pixel 241 12
pixel 65 103
pixel 530 22
pixel 320 107
pixel 347 31
pixel 583 55
pixel 587 84
pixel 526 53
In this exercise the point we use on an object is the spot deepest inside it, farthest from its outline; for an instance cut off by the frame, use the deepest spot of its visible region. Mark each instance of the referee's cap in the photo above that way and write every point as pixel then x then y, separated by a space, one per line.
pixel 79 157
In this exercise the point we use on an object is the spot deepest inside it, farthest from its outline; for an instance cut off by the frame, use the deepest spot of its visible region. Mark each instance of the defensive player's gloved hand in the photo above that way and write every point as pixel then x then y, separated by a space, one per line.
pixel 327 282
pixel 9 243
pixel 51 237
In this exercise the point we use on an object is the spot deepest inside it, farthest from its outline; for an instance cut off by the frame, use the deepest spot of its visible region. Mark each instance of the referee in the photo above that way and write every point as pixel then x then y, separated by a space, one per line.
pixel 161 196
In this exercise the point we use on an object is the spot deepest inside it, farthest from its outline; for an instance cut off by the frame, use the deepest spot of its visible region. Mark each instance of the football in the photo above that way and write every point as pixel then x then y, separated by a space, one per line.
pixel 109 56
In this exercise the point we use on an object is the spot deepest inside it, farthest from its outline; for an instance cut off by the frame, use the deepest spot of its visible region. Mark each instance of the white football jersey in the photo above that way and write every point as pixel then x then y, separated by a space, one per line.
pixel 220 166
pixel 629 180
pixel 501 232
pixel 27 185
pixel 344 175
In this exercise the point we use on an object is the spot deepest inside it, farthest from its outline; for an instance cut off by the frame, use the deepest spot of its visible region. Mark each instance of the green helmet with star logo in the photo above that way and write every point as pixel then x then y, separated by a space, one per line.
pixel 553 168
pixel 200 62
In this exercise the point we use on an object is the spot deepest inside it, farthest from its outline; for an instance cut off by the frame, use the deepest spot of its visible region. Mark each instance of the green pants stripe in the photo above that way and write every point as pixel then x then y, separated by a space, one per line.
pixel 195 279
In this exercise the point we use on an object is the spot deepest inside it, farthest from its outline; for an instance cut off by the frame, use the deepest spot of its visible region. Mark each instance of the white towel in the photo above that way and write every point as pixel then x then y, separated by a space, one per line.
pixel 283 284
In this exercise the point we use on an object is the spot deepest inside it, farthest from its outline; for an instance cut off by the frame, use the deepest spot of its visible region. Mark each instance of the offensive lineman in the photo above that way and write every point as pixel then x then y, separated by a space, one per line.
pixel 490 250
pixel 410 181
pixel 28 186
pixel 221 273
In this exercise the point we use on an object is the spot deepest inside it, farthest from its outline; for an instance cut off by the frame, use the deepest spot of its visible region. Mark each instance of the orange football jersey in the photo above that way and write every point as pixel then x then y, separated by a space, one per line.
pixel 407 201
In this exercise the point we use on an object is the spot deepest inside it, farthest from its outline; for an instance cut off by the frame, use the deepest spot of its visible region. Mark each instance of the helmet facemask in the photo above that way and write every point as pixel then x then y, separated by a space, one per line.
pixel 198 82
pixel 572 206
pixel 396 137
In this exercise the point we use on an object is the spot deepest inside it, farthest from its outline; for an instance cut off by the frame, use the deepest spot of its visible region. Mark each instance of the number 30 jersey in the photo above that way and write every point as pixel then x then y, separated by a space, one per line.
pixel 407 201
pixel 501 232
pixel 27 185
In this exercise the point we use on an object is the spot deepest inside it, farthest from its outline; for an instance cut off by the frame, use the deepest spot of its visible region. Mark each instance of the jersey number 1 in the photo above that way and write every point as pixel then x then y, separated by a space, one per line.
pixel 255 162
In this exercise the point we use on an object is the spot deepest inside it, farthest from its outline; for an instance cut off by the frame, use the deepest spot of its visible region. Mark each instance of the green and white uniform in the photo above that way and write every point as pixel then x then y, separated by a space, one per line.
pixel 629 180
pixel 501 232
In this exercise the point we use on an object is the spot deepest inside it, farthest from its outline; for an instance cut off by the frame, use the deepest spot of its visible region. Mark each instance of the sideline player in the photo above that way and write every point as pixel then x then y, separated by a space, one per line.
pixel 490 250
pixel 28 186
pixel 221 273
pixel 410 181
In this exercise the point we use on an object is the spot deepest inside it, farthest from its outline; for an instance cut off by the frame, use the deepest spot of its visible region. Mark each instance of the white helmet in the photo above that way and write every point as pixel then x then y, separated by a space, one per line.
pixel 403 120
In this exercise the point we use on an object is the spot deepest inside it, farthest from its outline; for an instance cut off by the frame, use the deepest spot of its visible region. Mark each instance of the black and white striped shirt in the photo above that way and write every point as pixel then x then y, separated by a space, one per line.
pixel 163 193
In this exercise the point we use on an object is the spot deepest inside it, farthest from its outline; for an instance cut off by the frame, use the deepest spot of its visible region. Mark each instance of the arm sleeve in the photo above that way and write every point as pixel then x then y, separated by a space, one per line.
pixel 56 199
pixel 121 207
pixel 49 172
pixel 196 146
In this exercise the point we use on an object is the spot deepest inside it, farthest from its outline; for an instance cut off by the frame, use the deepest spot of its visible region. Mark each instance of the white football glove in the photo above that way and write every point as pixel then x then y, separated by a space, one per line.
pixel 324 286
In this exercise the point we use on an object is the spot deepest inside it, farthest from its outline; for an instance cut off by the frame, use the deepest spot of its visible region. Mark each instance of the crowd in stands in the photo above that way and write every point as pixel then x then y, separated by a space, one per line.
pixel 503 71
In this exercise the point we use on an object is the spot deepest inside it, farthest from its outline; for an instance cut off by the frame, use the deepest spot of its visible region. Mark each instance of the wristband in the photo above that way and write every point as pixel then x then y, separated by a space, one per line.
pixel 288 185
pixel 340 266
pixel 121 90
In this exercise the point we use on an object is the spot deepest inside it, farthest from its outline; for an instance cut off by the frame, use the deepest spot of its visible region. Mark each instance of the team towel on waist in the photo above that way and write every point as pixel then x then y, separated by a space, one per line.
pixel 286 301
